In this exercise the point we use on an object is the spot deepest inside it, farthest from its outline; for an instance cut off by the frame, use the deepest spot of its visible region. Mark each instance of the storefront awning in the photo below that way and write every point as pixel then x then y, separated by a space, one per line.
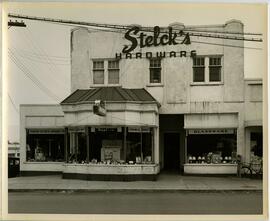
pixel 120 107
pixel 113 94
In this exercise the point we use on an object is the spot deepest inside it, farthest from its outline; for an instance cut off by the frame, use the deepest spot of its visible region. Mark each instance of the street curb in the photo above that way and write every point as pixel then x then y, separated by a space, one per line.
pixel 134 190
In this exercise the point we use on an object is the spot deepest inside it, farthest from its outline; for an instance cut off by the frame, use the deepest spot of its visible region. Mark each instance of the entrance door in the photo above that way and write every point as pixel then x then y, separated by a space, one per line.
pixel 172 152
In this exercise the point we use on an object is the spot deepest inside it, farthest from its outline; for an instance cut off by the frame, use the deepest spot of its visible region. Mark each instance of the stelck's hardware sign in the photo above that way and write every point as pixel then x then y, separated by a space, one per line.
pixel 137 37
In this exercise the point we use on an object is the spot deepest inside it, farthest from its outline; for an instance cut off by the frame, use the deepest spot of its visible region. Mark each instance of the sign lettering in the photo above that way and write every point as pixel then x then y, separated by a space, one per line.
pixel 136 37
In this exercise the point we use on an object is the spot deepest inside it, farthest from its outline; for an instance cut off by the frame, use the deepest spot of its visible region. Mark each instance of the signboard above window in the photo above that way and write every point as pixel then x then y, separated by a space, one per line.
pixel 46 131
pixel 211 131
pixel 138 130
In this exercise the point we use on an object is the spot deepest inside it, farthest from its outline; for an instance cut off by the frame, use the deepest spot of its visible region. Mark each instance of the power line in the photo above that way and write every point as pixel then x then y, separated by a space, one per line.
pixel 125 27
pixel 226 45
pixel 13 104
pixel 222 32
pixel 226 37
pixel 35 45
pixel 32 58
pixel 36 48
pixel 41 56
pixel 28 74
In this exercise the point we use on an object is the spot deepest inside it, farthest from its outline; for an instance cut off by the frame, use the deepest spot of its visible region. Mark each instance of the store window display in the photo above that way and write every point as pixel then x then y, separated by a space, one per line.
pixel 45 147
pixel 211 148
pixel 119 145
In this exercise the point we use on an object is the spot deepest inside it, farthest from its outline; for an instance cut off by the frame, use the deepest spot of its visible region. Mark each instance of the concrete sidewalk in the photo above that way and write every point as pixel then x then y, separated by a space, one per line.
pixel 165 182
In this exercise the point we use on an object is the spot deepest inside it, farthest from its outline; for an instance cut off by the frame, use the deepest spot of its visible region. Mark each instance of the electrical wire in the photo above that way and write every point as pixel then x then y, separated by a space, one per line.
pixel 222 32
pixel 31 56
pixel 37 48
pixel 34 80
pixel 225 45
pixel 28 74
pixel 37 60
pixel 51 66
pixel 41 56
pixel 124 27
pixel 13 104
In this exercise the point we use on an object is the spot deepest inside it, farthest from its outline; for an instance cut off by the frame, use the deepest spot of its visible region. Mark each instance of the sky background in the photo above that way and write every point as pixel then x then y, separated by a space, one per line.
pixel 42 49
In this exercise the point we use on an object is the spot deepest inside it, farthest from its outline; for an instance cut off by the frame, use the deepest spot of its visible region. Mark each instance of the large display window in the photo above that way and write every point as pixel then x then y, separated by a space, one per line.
pixel 140 145
pixel 119 145
pixel 77 146
pixel 45 145
pixel 211 146
pixel 106 145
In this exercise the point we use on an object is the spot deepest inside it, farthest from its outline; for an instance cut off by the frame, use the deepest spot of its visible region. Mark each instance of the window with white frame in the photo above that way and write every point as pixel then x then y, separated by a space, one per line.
pixel 198 69
pixel 106 72
pixel 214 69
pixel 98 72
pixel 113 72
pixel 207 69
pixel 155 70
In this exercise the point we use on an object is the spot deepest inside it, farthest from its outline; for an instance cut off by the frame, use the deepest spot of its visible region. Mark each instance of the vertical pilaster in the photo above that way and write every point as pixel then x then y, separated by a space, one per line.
pixel 153 144
pixel 87 129
pixel 125 142
pixel 66 144
pixel 156 139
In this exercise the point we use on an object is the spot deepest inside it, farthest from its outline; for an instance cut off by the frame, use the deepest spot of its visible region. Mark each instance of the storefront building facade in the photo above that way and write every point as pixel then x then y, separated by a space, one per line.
pixel 181 107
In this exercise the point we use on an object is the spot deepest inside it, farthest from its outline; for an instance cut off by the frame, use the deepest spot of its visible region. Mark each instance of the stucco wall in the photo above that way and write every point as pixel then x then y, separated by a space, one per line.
pixel 176 84
pixel 253 102
pixel 129 114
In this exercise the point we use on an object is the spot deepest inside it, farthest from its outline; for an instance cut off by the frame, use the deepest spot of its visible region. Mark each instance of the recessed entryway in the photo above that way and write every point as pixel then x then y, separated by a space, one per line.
pixel 172 152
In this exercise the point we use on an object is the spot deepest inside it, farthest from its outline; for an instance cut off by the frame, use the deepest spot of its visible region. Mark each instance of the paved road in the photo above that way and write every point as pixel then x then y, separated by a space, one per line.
pixel 136 202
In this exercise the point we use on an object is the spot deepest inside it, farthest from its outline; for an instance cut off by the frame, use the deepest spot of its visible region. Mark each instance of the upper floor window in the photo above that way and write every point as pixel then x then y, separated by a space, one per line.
pixel 198 69
pixel 98 72
pixel 155 70
pixel 113 72
pixel 207 69
pixel 215 69
pixel 106 72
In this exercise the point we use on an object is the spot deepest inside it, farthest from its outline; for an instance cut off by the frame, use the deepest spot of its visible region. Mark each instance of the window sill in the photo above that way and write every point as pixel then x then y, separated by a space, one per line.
pixel 104 85
pixel 205 83
pixel 155 85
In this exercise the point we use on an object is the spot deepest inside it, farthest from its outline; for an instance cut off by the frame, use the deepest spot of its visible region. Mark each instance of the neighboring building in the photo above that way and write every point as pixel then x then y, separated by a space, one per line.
pixel 192 114
pixel 13 149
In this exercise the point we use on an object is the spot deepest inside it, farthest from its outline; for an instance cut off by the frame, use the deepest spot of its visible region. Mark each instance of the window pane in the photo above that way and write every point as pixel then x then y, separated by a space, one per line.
pixel 155 75
pixel 198 61
pixel 155 71
pixel 98 77
pixel 98 64
pixel 214 61
pixel 155 63
pixel 113 77
pixel 113 64
pixel 198 74
pixel 215 73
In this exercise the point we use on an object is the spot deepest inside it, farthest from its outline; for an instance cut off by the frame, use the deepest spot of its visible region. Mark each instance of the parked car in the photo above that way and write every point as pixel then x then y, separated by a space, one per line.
pixel 13 167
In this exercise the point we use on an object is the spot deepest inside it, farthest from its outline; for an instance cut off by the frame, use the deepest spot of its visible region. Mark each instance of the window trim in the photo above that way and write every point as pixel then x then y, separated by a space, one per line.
pixel 161 73
pixel 207 81
pixel 106 72
pixel 98 69
pixel 221 64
